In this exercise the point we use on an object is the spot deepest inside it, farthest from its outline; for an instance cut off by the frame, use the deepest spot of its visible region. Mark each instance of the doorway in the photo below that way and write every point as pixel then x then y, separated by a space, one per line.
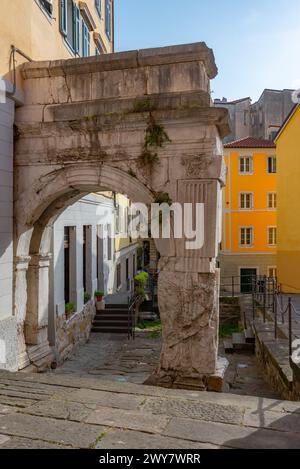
pixel 247 279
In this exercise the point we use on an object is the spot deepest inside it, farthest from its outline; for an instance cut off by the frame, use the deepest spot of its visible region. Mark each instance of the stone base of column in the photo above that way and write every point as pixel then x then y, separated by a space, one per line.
pixel 206 382
pixel 40 358
pixel 189 310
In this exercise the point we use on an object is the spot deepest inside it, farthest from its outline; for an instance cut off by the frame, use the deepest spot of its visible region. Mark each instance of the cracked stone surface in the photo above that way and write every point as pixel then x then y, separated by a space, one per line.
pixel 70 411
pixel 202 411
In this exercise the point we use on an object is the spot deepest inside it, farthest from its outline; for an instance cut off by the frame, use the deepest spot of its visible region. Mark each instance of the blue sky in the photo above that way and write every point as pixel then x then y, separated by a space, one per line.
pixel 256 43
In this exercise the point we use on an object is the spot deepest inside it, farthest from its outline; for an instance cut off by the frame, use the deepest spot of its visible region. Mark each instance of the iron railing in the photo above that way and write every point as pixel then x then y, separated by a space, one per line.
pixel 132 303
pixel 268 297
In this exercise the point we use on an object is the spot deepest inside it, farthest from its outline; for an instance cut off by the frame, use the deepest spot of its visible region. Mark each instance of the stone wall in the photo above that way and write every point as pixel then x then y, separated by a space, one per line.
pixel 230 311
pixel 272 359
pixel 73 332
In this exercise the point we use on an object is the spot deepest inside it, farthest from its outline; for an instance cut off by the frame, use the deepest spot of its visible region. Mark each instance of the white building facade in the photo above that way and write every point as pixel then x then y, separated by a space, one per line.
pixel 84 260
pixel 8 324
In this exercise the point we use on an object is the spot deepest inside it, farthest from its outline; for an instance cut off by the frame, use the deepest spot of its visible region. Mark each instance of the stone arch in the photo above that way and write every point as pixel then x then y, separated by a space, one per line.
pixel 82 129
pixel 61 189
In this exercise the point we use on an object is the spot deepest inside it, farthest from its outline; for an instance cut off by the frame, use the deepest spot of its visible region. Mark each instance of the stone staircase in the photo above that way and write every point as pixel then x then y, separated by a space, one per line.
pixel 240 342
pixel 115 318
pixel 244 341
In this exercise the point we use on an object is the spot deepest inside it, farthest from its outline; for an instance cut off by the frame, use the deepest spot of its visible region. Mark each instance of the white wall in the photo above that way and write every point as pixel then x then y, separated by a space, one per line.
pixel 8 326
pixel 98 212
pixel 92 210
pixel 6 207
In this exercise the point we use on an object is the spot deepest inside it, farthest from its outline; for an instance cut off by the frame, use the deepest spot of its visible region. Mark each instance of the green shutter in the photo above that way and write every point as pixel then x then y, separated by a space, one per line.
pixel 108 18
pixel 76 29
pixel 63 17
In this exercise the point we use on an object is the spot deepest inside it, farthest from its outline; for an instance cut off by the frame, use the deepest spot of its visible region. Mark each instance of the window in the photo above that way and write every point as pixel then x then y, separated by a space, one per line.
pixel 272 272
pixel 245 165
pixel 272 200
pixel 109 243
pixel 100 259
pixel 86 40
pixel 67 264
pixel 272 164
pixel 134 265
pixel 246 237
pixel 70 24
pixel 246 201
pixel 127 275
pixel 108 18
pixel 98 7
pixel 119 272
pixel 273 135
pixel 272 236
pixel 47 6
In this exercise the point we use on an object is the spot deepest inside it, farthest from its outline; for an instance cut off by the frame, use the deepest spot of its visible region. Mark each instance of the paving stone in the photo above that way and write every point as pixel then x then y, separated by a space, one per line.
pixel 4 439
pixel 273 420
pixel 26 443
pixel 61 410
pixel 196 410
pixel 232 436
pixel 22 394
pixel 128 419
pixel 106 399
pixel 6 409
pixel 126 439
pixel 16 402
pixel 50 430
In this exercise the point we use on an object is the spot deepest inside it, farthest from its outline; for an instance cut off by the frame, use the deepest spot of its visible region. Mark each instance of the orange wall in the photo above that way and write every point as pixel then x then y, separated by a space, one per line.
pixel 288 256
pixel 260 183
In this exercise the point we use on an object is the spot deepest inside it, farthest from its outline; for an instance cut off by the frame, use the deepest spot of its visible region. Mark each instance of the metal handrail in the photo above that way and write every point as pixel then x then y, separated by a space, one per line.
pixel 131 316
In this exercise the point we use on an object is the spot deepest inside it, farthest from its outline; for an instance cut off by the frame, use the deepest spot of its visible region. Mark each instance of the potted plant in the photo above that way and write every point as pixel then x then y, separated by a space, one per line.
pixel 86 297
pixel 69 310
pixel 100 303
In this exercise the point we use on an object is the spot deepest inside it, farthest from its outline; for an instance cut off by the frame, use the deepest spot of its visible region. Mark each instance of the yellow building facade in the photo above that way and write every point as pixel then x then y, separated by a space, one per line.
pixel 249 235
pixel 37 30
pixel 54 29
pixel 288 154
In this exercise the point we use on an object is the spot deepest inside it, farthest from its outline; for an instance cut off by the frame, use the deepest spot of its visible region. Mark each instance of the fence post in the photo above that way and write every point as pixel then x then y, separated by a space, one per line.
pixel 265 296
pixel 290 327
pixel 232 280
pixel 253 297
pixel 275 311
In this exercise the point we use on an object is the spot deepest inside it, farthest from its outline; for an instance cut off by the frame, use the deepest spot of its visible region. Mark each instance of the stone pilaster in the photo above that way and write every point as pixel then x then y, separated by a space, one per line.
pixel 188 305
pixel 21 268
pixel 36 323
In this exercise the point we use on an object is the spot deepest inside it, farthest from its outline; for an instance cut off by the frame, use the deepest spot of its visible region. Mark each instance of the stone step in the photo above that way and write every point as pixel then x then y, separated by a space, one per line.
pixel 110 329
pixel 111 322
pixel 228 346
pixel 239 342
pixel 116 306
pixel 249 336
pixel 114 310
pixel 104 315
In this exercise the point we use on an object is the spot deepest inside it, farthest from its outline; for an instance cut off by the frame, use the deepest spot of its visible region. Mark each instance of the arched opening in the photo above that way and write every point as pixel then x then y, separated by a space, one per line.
pixel 44 316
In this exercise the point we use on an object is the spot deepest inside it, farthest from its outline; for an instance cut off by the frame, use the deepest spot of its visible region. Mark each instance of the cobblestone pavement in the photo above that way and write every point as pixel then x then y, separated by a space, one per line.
pixel 68 411
pixel 113 357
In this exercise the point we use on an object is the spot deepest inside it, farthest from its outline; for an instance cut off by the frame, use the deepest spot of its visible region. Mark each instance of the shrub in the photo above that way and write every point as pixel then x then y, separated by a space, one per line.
pixel 86 297
pixel 69 309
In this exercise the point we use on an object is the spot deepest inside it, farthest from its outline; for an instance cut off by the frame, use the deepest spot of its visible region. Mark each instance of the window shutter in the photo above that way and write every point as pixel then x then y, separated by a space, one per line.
pixel 76 29
pixel 63 17
pixel 108 18
pixel 88 43
pixel 98 6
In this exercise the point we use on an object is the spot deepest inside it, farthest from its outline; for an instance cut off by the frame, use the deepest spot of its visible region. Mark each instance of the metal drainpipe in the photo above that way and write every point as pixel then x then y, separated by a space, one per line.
pixel 12 61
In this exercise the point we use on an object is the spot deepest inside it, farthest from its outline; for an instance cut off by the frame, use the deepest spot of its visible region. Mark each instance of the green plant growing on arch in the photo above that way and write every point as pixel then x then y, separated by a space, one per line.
pixel 155 135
